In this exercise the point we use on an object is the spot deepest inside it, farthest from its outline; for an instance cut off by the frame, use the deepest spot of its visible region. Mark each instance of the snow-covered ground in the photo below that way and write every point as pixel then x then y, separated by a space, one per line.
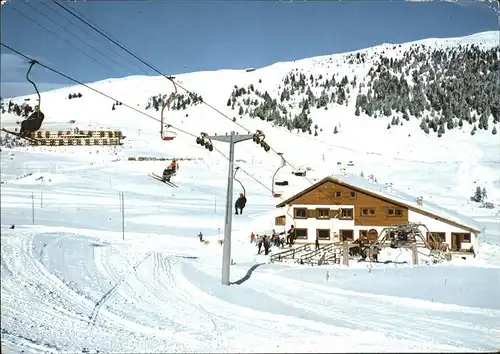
pixel 72 281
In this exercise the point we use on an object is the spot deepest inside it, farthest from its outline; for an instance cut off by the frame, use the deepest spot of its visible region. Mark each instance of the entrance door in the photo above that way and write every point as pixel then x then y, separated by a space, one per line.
pixel 456 242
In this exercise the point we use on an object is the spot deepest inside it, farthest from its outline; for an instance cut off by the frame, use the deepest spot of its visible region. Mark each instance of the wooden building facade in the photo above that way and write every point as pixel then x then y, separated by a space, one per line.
pixel 335 210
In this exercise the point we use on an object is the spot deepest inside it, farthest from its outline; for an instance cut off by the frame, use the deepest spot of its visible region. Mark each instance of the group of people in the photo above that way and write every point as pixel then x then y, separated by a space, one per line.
pixel 275 239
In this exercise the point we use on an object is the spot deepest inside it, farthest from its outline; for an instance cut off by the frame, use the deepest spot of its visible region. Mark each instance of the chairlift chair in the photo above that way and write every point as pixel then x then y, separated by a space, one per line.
pixel 34 122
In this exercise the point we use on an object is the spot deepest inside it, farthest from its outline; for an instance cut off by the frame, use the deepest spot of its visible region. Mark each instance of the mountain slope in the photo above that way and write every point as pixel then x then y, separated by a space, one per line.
pixel 322 97
pixel 83 272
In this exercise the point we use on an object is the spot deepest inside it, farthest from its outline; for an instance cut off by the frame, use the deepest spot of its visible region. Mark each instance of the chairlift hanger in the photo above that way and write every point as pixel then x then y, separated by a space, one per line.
pixel 277 194
pixel 167 135
pixel 32 63
pixel 241 184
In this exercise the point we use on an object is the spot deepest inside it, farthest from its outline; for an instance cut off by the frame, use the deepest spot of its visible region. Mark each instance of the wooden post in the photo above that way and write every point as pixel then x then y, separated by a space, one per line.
pixel 345 254
pixel 414 253
pixel 123 215
pixel 33 208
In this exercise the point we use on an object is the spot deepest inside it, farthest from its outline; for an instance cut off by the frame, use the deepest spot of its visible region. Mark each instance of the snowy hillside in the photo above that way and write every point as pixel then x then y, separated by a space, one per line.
pixel 71 281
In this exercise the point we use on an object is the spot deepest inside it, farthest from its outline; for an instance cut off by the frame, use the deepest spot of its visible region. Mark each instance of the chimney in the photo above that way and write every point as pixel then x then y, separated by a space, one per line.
pixel 388 187
pixel 420 200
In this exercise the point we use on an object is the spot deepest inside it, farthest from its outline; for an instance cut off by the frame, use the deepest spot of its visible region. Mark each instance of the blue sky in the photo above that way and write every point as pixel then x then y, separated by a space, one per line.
pixel 185 36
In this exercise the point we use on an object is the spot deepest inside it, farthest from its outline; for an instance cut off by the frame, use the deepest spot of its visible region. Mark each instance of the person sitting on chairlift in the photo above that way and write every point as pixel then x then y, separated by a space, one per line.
pixel 240 203
pixel 33 122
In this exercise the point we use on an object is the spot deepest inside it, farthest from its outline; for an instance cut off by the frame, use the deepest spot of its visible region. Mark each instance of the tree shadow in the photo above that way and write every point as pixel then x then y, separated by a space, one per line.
pixel 248 275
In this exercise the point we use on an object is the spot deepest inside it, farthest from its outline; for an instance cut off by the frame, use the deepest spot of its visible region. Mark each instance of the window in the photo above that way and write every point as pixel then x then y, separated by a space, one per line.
pixel 301 234
pixel 367 212
pixel 347 214
pixel 394 212
pixel 353 195
pixel 463 237
pixel 368 236
pixel 323 213
pixel 300 213
pixel 280 220
pixel 438 236
pixel 338 194
pixel 346 235
pixel 323 234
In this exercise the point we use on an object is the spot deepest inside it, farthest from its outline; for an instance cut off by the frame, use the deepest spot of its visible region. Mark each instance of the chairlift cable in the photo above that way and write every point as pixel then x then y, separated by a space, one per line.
pixel 112 49
pixel 126 105
pixel 156 119
pixel 72 34
pixel 59 37
pixel 102 32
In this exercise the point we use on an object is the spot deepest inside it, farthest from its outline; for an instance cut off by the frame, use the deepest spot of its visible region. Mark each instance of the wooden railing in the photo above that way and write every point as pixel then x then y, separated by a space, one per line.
pixel 308 256
pixel 290 253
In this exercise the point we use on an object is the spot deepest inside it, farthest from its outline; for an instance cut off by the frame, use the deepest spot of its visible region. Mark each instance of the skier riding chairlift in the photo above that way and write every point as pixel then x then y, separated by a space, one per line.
pixel 171 170
pixel 33 122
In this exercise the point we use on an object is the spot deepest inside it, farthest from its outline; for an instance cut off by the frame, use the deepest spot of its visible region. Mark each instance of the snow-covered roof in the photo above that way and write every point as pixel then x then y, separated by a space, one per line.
pixel 394 195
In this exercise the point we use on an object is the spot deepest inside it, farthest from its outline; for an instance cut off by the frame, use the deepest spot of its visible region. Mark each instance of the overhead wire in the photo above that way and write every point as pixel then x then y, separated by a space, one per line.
pixel 126 105
pixel 66 29
pixel 101 32
pixel 110 48
pixel 189 92
pixel 73 46
pixel 59 37
pixel 94 27
pixel 169 77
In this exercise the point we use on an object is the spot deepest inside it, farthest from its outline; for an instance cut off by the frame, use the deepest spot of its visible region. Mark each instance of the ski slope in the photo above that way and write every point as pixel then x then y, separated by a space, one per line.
pixel 71 281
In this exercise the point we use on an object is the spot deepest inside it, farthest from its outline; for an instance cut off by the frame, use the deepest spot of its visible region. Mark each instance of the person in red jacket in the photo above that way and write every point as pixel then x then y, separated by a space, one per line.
pixel 170 170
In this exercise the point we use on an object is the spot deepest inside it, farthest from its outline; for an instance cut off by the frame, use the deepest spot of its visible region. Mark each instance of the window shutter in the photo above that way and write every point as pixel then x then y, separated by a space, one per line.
pixel 311 213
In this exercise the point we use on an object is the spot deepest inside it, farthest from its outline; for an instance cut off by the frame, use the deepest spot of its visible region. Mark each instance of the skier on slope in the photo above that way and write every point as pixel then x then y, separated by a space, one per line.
pixel 240 203
pixel 170 170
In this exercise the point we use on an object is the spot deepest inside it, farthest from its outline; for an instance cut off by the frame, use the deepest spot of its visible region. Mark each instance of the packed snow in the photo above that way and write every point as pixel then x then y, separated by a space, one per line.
pixel 77 277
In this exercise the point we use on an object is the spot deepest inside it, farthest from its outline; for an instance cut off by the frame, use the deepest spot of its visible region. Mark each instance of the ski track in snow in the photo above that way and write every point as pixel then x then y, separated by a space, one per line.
pixel 70 283
pixel 160 304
